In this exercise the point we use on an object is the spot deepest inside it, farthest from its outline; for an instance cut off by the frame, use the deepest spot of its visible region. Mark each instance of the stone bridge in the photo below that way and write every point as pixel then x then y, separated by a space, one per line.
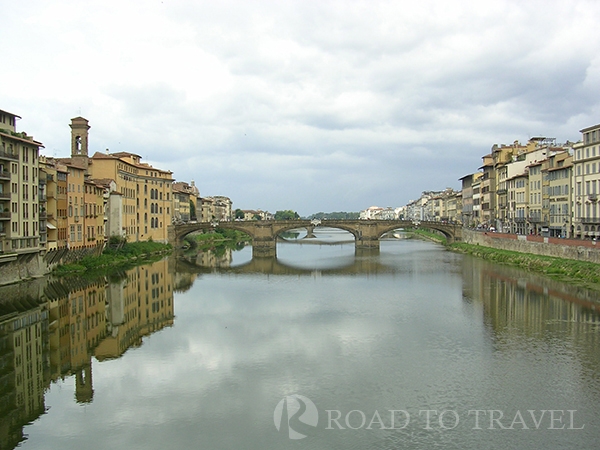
pixel 264 233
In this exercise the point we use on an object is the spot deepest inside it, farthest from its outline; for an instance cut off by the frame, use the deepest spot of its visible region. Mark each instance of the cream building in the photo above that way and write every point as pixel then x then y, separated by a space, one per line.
pixel 586 184
pixel 558 173
pixel 19 187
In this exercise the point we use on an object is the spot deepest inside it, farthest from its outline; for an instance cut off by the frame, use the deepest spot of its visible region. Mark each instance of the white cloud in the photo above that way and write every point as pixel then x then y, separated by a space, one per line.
pixel 332 97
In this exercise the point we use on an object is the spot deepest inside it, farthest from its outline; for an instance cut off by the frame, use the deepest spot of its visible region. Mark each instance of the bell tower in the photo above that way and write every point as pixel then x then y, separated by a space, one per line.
pixel 79 141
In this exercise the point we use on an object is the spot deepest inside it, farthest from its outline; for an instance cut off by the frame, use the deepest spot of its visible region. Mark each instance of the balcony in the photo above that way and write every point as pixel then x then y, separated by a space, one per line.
pixel 592 220
pixel 5 215
pixel 43 215
pixel 4 195
pixel 4 175
pixel 42 197
pixel 4 155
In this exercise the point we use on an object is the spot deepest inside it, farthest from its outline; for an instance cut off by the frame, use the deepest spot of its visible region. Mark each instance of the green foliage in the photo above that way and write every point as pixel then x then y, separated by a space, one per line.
pixel 429 235
pixel 239 214
pixel 116 241
pixel 288 214
pixel 114 258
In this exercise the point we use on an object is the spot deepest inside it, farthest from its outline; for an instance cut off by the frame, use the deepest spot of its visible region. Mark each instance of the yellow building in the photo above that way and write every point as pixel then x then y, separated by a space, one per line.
pixel 536 219
pixel 558 172
pixel 517 205
pixel 93 198
pixel 146 194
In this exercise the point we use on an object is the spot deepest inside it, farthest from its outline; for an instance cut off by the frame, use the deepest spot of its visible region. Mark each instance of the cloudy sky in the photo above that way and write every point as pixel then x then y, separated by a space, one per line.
pixel 304 105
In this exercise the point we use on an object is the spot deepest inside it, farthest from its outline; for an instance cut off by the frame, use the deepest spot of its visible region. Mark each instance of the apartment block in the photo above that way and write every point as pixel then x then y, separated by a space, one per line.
pixel 558 172
pixel 19 187
pixel 586 184
pixel 146 194
pixel 185 202
pixel 218 208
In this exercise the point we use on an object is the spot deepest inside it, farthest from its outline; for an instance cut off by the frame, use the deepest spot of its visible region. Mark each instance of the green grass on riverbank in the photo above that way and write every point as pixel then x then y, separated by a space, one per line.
pixel 567 270
pixel 428 235
pixel 115 258
pixel 582 273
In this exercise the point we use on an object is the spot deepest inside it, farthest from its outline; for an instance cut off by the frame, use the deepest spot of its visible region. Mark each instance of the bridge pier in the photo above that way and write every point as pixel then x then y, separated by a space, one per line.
pixel 367 243
pixel 264 248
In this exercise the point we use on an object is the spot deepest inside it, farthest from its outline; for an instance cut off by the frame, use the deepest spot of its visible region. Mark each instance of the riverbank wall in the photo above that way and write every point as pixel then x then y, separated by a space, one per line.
pixel 15 268
pixel 576 249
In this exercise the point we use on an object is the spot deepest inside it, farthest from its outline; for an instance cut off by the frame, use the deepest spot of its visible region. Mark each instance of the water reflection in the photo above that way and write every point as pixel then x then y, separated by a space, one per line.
pixel 410 327
pixel 51 330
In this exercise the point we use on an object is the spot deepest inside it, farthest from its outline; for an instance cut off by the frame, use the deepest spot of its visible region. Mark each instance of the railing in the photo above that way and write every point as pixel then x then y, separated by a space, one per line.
pixel 5 215
pixel 5 155
pixel 5 174
pixel 43 215
pixel 4 195
pixel 589 219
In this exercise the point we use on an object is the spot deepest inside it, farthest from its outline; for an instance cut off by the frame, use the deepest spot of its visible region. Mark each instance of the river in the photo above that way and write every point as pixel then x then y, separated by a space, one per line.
pixel 322 348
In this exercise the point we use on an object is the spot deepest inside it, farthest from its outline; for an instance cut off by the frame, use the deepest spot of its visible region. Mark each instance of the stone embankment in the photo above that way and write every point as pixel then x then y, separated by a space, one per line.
pixel 576 249
pixel 16 268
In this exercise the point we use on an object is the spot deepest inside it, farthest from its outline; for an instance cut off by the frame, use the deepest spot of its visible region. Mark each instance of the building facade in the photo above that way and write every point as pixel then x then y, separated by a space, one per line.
pixel 19 187
pixel 586 184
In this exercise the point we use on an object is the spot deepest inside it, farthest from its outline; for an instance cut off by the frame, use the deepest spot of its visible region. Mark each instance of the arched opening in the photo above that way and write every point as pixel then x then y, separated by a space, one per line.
pixel 316 248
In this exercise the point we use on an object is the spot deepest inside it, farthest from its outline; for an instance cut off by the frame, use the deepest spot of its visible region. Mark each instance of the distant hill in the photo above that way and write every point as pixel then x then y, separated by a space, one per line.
pixel 334 215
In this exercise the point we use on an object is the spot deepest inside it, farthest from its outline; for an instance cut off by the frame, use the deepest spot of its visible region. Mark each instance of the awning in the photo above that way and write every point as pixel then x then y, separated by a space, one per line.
pixel 50 226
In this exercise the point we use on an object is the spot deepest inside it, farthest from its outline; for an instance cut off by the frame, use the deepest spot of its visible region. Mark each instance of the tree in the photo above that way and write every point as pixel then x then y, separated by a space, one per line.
pixel 239 214
pixel 288 214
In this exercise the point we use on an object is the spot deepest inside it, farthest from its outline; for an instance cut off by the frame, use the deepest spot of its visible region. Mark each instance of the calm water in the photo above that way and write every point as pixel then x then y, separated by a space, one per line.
pixel 221 351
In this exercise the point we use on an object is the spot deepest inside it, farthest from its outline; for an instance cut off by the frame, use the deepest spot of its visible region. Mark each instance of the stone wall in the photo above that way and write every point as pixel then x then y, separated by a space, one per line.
pixel 36 265
pixel 581 250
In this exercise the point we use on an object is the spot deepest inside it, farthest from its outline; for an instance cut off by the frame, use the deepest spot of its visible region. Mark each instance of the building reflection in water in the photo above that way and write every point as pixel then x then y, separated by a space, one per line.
pixel 50 330
pixel 23 366
pixel 518 302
